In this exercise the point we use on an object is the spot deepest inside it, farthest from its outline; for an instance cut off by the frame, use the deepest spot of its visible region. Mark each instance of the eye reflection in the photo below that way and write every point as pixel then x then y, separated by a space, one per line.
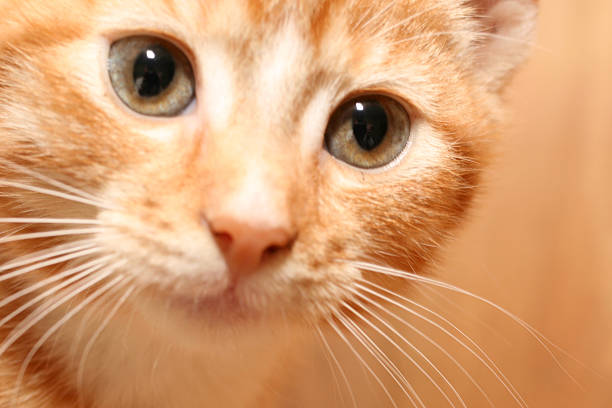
pixel 153 71
pixel 151 76
pixel 368 132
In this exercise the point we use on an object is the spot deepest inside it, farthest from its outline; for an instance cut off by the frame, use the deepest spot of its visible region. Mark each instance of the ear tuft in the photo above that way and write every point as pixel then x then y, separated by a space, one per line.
pixel 510 31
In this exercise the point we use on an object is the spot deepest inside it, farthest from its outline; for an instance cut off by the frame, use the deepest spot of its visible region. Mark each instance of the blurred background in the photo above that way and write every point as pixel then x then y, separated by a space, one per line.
pixel 540 240
pixel 538 243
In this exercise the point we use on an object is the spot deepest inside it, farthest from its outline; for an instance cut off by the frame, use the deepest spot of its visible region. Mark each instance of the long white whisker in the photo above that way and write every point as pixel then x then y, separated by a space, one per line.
pixel 86 319
pixel 50 234
pixel 385 362
pixel 433 292
pixel 363 24
pixel 57 326
pixel 539 337
pixel 386 358
pixel 362 361
pixel 409 357
pixel 45 310
pixel 429 339
pixel 52 182
pixel 329 355
pixel 481 34
pixel 80 275
pixel 44 264
pixel 490 365
pixel 62 221
pixel 46 254
pixel 47 281
pixel 406 21
pixel 97 333
pixel 54 193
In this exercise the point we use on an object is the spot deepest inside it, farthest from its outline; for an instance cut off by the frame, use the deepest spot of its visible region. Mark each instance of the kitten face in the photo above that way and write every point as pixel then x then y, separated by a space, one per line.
pixel 233 209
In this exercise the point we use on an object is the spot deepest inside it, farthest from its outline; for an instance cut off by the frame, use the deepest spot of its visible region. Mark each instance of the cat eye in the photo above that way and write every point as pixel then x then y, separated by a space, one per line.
pixel 151 76
pixel 368 131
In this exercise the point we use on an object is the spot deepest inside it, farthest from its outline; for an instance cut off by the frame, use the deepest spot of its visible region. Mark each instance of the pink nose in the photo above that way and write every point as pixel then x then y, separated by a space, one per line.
pixel 246 243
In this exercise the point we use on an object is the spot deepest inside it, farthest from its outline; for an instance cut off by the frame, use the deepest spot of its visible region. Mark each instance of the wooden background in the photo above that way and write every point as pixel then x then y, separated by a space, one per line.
pixel 539 242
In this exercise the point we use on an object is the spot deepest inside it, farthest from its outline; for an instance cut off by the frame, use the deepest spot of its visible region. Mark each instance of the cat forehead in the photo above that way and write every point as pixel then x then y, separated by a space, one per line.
pixel 282 51
pixel 344 34
pixel 319 22
pixel 262 57
pixel 228 15
pixel 323 24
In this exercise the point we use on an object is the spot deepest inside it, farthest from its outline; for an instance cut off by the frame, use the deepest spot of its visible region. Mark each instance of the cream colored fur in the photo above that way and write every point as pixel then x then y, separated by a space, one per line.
pixel 268 76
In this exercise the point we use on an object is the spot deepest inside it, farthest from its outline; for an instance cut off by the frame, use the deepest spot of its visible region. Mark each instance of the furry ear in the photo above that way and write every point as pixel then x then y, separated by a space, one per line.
pixel 510 31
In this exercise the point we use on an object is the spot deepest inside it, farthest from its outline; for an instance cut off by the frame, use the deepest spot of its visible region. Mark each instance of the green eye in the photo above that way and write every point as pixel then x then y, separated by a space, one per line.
pixel 151 76
pixel 368 131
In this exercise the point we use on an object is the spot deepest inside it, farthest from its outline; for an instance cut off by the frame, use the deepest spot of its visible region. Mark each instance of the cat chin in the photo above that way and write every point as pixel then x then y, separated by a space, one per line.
pixel 221 308
pixel 195 357
pixel 193 316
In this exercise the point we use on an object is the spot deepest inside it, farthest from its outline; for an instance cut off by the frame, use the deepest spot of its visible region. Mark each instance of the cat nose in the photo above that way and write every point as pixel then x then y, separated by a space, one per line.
pixel 245 243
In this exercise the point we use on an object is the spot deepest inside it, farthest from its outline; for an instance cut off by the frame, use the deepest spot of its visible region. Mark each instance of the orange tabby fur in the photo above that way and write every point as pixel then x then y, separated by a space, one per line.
pixel 253 146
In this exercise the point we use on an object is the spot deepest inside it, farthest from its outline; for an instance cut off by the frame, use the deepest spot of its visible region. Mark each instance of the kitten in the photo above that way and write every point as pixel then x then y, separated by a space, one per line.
pixel 188 188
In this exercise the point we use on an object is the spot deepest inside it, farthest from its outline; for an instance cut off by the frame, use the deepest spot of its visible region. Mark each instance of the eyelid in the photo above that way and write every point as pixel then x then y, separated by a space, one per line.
pixel 167 34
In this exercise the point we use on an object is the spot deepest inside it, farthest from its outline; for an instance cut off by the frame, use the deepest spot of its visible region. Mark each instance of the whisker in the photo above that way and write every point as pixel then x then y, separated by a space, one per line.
pixel 428 293
pixel 338 390
pixel 51 182
pixel 362 361
pixel 377 329
pixel 90 270
pixel 44 310
pixel 409 357
pixel 86 319
pixel 58 325
pixel 54 193
pixel 331 354
pixel 53 278
pixel 406 21
pixel 477 34
pixel 489 364
pixel 46 254
pixel 63 221
pixel 382 358
pixel 13 230
pixel 363 24
pixel 539 337
pixel 44 264
pixel 97 333
pixel 426 337
pixel 50 234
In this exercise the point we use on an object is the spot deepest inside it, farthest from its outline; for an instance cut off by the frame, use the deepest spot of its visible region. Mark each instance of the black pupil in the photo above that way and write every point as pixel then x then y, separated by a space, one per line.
pixel 153 71
pixel 369 124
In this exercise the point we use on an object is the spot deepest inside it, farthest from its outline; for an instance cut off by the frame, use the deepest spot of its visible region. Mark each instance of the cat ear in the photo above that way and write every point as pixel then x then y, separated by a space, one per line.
pixel 509 28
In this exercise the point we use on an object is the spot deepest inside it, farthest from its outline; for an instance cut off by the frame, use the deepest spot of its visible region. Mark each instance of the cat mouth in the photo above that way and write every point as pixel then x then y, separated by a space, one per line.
pixel 227 305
